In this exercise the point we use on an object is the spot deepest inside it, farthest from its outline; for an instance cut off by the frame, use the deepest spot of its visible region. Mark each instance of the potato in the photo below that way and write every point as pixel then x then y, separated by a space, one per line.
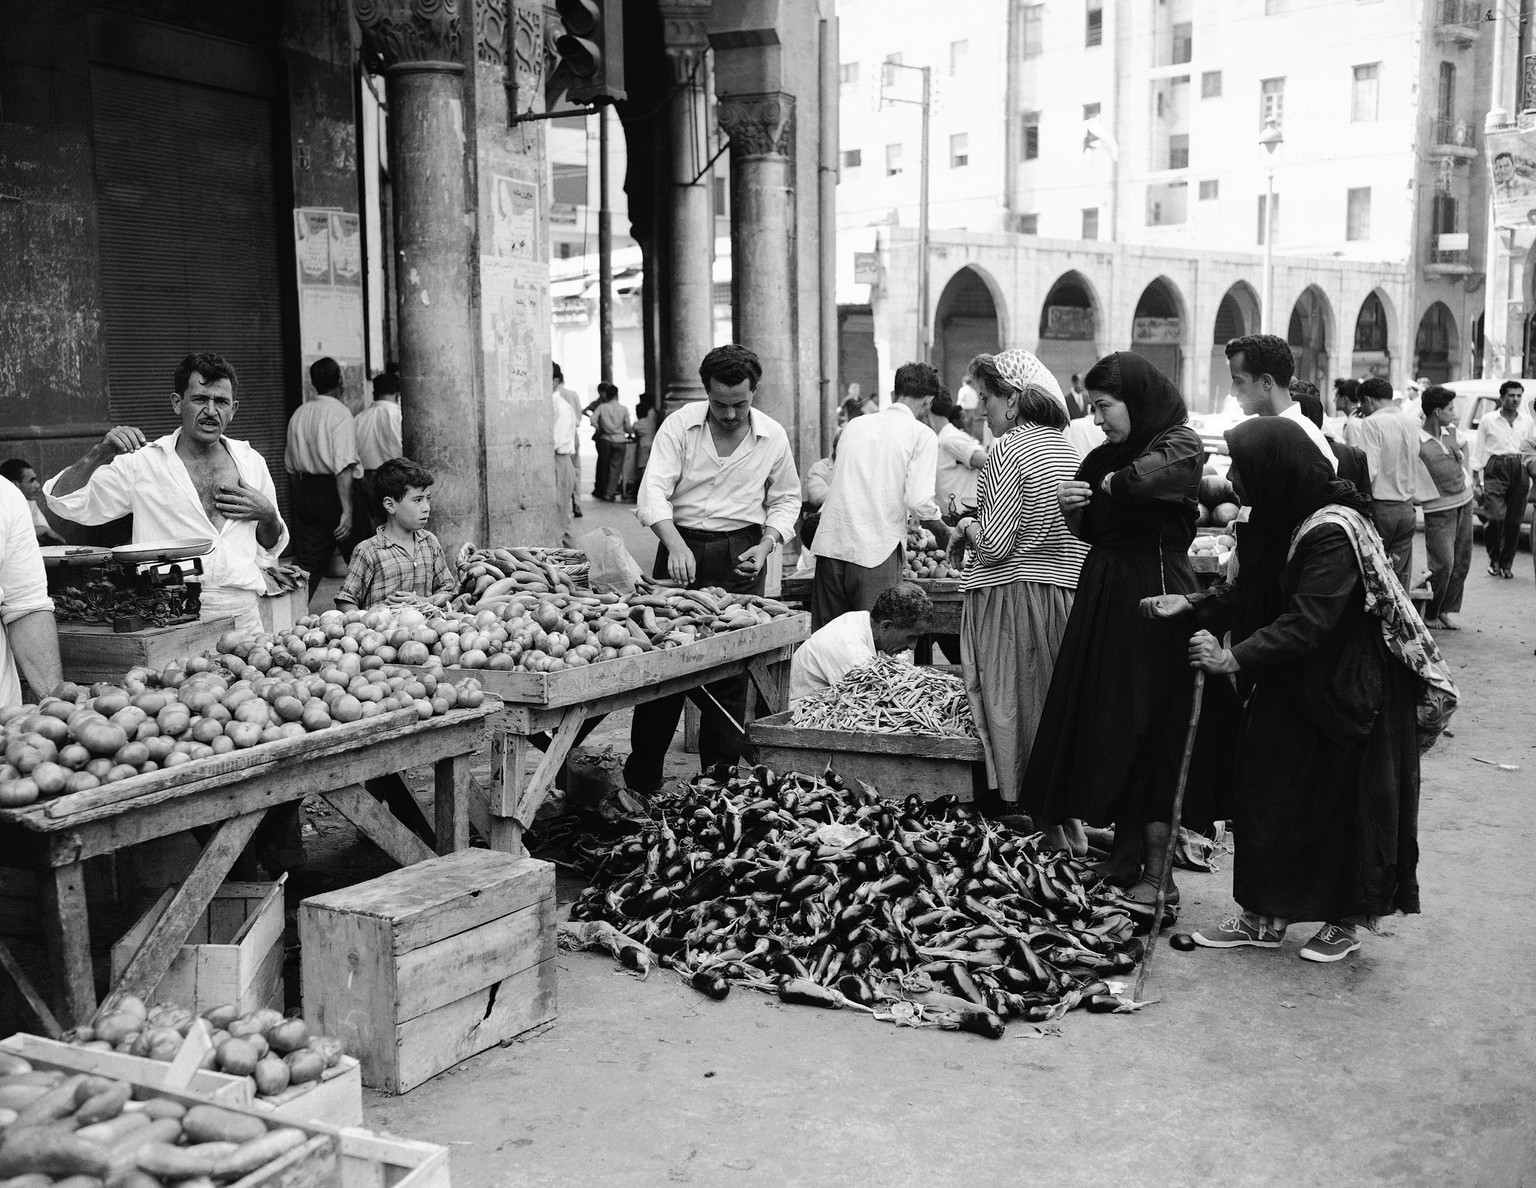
pixel 329 1047
pixel 12 1065
pixel 272 1076
pixel 47 1149
pixel 238 1057
pixel 288 1036
pixel 220 1017
pixel 116 1026
pixel 305 1065
pixel 211 1124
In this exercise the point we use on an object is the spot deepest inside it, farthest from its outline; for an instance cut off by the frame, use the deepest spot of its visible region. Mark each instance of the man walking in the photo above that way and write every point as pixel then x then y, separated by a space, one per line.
pixel 1391 444
pixel 721 494
pixel 1261 366
pixel 322 457
pixel 574 401
pixel 563 430
pixel 887 466
pixel 1500 478
pixel 378 432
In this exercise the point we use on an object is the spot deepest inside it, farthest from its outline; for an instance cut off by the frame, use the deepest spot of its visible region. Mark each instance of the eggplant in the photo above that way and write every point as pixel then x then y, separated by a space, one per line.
pixel 856 989
pixel 800 992
pixel 985 1023
pixel 1102 1004
pixel 960 978
pixel 787 964
pixel 1182 941
pixel 860 956
pixel 711 983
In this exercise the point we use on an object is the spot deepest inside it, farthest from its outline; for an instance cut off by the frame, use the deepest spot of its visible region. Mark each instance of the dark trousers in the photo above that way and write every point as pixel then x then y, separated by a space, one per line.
pixel 841 586
pixel 316 512
pixel 1394 523
pixel 1506 486
pixel 1448 543
pixel 610 469
pixel 655 722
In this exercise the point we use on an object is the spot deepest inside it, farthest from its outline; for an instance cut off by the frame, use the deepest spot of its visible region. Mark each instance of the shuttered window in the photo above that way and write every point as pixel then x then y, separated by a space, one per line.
pixel 189 249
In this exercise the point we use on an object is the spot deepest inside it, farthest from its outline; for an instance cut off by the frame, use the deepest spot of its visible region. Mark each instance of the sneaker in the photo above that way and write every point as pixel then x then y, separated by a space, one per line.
pixel 1237 931
pixel 1331 943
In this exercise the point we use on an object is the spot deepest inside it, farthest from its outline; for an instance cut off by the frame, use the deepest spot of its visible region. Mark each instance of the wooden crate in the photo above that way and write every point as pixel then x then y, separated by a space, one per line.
pixel 94 652
pixel 896 764
pixel 370 1160
pixel 234 954
pixel 139 1070
pixel 279 612
pixel 425 966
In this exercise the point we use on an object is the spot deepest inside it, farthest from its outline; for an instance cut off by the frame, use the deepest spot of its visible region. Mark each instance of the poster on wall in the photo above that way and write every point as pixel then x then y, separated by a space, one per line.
pixel 514 202
pixel 1512 165
pixel 328 248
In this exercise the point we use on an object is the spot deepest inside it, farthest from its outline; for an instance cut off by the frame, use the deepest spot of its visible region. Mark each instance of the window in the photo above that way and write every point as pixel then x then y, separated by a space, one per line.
pixel 848 75
pixel 959 150
pixel 1094 35
pixel 1273 221
pixel 1029 224
pixel 1363 99
pixel 1178 151
pixel 1357 218
pixel 1090 222
pixel 1446 105
pixel 1209 189
pixel 892 160
pixel 1271 102
pixel 1031 135
pixel 957 53
pixel 1090 111
pixel 1167 204
pixel 1183 42
pixel 721 188
pixel 853 158
pixel 1030 30
pixel 1442 213
pixel 568 184
pixel 1210 84
pixel 887 75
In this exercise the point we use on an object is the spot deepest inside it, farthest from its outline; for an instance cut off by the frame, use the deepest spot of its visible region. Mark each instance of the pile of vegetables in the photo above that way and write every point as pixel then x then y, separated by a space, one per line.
pixel 890 696
pixel 836 897
pixel 1219 504
pixel 538 571
pixel 546 632
pixel 925 559
pixel 1217 546
pixel 86 1131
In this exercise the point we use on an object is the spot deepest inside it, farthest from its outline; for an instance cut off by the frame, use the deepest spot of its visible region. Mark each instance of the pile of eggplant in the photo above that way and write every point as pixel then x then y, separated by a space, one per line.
pixel 836 897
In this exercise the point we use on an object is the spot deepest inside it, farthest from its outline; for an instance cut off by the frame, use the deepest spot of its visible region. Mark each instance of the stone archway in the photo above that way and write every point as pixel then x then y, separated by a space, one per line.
pixel 966 324
pixel 1309 333
pixel 1436 349
pixel 1069 324
pixel 1373 338
pixel 1157 329
pixel 1237 314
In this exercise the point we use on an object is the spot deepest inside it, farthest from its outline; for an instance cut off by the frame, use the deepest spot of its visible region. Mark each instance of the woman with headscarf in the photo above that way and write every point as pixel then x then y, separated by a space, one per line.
pixel 1333 658
pixel 1112 732
pixel 1024 564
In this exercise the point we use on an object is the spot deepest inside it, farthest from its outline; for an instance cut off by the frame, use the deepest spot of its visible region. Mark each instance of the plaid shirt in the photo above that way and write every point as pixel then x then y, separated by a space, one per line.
pixel 380 567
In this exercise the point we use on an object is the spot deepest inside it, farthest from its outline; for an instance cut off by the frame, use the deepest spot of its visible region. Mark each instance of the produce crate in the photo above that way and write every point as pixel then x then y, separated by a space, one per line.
pixel 279 612
pixel 371 1160
pixel 234 953
pixel 896 764
pixel 425 966
pixel 94 652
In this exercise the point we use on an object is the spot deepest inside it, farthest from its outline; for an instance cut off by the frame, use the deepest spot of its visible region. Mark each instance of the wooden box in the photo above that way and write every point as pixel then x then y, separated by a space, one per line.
pixel 233 955
pixel 371 1160
pixel 93 652
pixel 896 764
pixel 140 1070
pixel 425 966
pixel 279 612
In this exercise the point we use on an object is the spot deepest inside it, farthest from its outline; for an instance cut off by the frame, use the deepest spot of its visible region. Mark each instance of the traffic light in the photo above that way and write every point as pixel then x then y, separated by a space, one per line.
pixel 592 47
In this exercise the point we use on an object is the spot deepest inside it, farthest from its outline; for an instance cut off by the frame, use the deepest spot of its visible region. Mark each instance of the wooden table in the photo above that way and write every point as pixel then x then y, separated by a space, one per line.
pixel 945 594
pixel 93 652
pixel 558 703
pixel 233 792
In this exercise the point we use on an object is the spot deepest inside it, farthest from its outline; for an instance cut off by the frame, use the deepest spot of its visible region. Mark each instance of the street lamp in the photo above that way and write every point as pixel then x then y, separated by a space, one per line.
pixel 1271 139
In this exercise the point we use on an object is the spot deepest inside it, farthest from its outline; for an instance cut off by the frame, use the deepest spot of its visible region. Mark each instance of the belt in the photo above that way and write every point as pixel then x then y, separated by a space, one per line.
pixel 700 534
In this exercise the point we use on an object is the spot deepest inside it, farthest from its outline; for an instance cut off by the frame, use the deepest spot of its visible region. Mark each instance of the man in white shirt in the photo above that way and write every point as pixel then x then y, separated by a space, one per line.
pixel 195 482
pixel 574 401
pixel 721 494
pixel 563 430
pixel 29 641
pixel 322 457
pixel 379 438
pixel 20 472
pixel 1500 477
pixel 1261 366
pixel 887 466
pixel 856 638
pixel 1391 444
pixel 960 458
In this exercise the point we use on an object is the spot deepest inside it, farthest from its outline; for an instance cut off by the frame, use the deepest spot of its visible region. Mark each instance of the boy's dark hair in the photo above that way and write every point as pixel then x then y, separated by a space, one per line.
pixel 1349 389
pixel 917 380
pixel 606 392
pixel 556 373
pixel 14 468
pixel 1311 405
pixel 904 604
pixel 729 365
pixel 386 384
pixel 396 477
pixel 1375 388
pixel 325 374
pixel 1265 354
pixel 209 367
pixel 1435 398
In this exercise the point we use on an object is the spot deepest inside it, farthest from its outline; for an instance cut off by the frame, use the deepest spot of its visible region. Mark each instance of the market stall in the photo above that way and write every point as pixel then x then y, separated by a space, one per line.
pixel 945 593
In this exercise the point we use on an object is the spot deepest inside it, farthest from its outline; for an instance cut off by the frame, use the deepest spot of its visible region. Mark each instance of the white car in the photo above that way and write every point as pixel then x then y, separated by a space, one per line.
pixel 1475 399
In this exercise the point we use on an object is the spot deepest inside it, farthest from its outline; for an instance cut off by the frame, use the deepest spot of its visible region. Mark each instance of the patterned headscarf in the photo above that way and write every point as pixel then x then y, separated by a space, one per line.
pixel 1022 370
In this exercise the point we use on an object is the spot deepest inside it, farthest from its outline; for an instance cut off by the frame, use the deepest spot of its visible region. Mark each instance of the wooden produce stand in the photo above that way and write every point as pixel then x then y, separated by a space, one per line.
pixel 897 764
pixel 945 594
pixel 94 652
pixel 233 792
pixel 557 703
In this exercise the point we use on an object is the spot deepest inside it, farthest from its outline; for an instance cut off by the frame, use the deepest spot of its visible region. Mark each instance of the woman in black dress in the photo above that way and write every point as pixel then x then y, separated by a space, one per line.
pixel 1326 781
pixel 1112 730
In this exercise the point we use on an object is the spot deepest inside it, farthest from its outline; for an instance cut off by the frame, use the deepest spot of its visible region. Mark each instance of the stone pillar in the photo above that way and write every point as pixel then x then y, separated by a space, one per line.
pixel 418 43
pixel 690 252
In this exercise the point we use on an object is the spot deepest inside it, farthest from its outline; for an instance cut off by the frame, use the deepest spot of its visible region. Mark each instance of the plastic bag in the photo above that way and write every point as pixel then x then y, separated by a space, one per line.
pixel 611 570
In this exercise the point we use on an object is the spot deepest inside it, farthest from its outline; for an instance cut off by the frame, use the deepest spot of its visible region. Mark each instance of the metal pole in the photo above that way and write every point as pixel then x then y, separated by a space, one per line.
pixel 923 336
pixel 1266 316
pixel 604 255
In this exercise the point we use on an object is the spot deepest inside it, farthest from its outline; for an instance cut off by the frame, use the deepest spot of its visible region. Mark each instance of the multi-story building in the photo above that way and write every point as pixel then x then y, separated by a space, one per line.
pixel 1098 182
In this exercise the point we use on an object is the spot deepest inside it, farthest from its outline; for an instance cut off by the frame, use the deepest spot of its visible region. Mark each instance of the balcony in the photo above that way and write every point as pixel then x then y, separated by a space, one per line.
pixel 1459 22
pixel 1452 138
pixel 1448 254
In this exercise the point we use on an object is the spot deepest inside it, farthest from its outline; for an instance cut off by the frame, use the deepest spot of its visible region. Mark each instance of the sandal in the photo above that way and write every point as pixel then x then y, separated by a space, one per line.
pixel 1495 571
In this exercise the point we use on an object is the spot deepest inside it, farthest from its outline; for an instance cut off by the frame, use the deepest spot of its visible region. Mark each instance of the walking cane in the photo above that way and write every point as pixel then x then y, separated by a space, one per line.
pixel 1173 835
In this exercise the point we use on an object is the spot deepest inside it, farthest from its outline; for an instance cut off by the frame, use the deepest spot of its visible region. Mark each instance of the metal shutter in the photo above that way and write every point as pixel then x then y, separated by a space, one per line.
pixel 189 249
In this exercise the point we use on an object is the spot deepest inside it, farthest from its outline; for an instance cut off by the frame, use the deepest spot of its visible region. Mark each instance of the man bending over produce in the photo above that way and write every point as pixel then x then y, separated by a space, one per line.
pixel 856 638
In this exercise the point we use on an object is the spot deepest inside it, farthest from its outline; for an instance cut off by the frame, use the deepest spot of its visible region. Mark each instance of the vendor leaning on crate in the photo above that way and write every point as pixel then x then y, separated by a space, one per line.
pixel 721 494
pixel 856 638
pixel 195 482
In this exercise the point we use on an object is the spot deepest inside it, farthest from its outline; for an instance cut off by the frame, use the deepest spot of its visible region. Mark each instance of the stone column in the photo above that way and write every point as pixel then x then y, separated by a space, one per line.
pixel 689 331
pixel 418 43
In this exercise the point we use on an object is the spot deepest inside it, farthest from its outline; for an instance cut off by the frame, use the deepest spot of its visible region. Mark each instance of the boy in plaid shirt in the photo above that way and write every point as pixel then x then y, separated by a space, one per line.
pixel 402 555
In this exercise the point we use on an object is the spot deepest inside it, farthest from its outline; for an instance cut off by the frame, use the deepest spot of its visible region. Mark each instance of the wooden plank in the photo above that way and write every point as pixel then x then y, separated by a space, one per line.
pixel 336 1099
pixel 316 1163
pixel 437 974
pixel 91 652
pixel 771 681
pixel 29 993
pixel 165 939
pixel 509 760
pixel 347 964
pixel 66 924
pixel 555 755
pixel 450 801
pixel 734 734
pixel 893 776
pixel 375 1161
pixel 140 1070
pixel 776 732
pixel 378 824
pixel 441 1038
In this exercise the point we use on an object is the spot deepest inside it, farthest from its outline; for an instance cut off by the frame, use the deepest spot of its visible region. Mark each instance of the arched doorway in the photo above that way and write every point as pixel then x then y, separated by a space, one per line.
pixel 1068 328
pixel 1308 335
pixel 1236 315
pixel 966 325
pixel 1373 352
pixel 1435 350
pixel 1157 329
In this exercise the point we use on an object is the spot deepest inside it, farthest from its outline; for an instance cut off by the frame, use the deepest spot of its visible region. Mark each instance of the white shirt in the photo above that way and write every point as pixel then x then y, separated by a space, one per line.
pixel 152 485
pixel 687 482
pixel 955 474
pixel 377 432
pixel 821 661
pixel 1391 445
pixel 1084 434
pixel 1495 435
pixel 887 466
pixel 1294 413
pixel 321 439
pixel 564 425
pixel 23 582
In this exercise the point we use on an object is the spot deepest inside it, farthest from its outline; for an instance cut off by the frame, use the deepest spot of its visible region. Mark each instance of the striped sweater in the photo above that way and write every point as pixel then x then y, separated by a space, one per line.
pixel 1021 536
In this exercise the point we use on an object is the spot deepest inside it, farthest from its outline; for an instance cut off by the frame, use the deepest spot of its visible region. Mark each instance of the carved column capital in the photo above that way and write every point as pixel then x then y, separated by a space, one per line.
pixel 398 32
pixel 759 125
pixel 685 34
